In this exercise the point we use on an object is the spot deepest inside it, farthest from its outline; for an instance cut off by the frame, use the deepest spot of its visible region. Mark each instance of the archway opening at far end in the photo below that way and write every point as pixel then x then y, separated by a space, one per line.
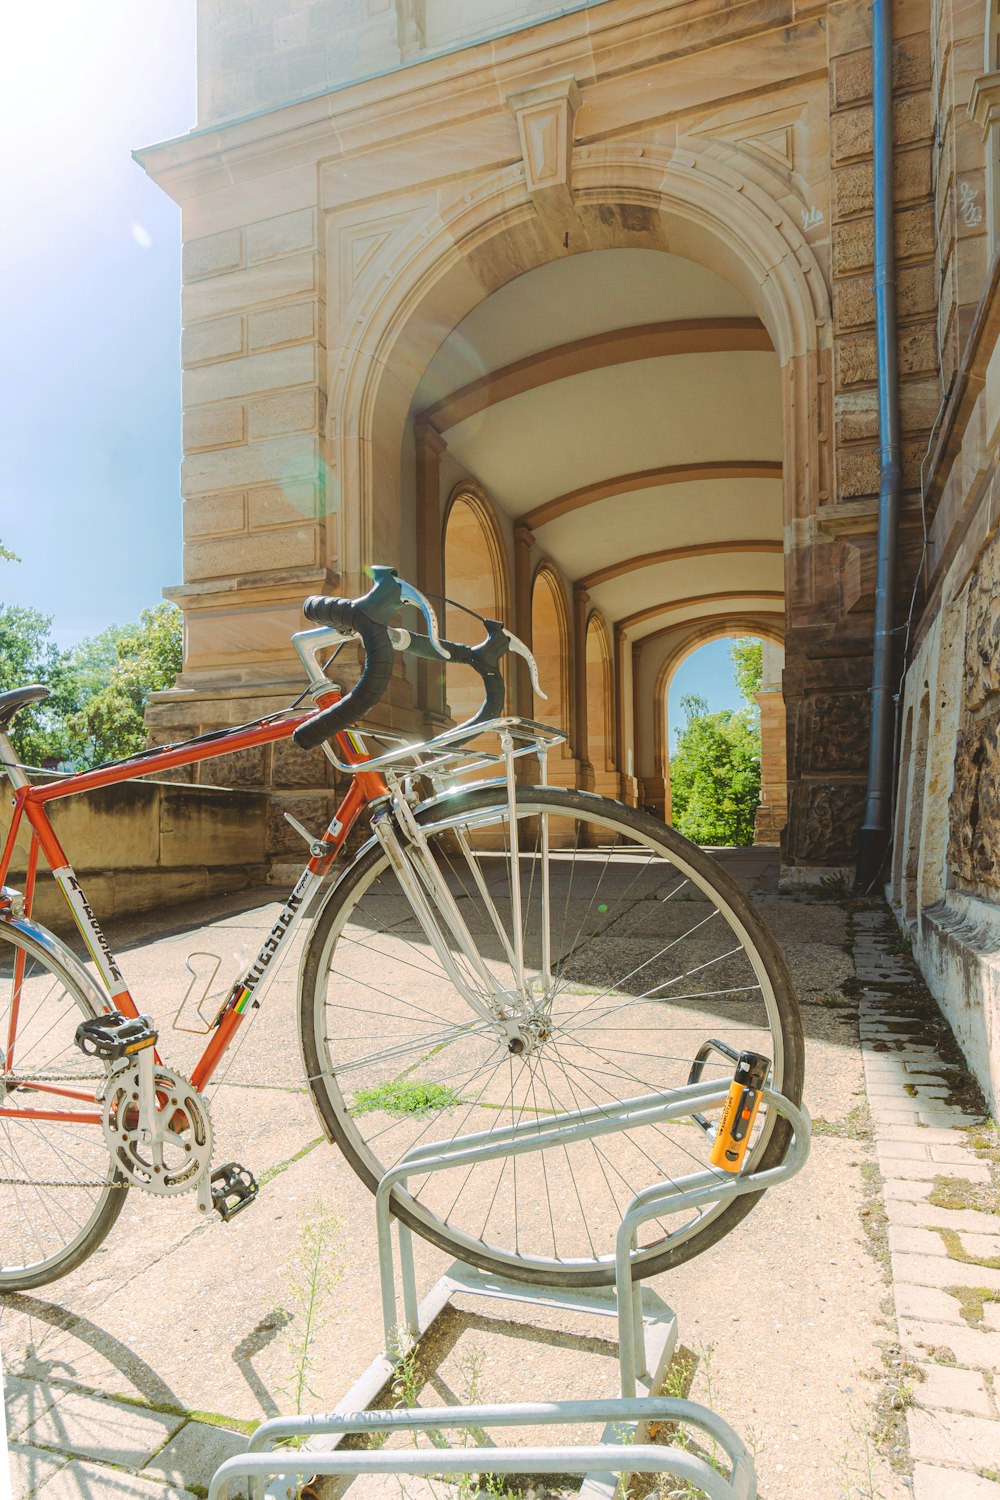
pixel 724 741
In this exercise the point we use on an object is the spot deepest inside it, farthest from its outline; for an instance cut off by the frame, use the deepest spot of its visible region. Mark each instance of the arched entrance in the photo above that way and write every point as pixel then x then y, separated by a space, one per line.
pixel 639 441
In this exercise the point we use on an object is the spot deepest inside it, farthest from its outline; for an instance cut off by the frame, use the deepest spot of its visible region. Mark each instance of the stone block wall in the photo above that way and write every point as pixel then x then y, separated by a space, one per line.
pixel 143 845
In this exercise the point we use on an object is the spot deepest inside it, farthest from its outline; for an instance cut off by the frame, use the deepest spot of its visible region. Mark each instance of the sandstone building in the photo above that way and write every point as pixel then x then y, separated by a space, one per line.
pixel 568 309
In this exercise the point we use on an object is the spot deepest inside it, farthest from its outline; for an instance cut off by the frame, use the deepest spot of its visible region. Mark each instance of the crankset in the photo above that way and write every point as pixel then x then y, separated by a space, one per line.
pixel 157 1127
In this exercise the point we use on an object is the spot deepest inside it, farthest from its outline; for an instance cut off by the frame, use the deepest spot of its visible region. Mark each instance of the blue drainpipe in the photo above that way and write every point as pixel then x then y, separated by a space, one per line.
pixel 877 827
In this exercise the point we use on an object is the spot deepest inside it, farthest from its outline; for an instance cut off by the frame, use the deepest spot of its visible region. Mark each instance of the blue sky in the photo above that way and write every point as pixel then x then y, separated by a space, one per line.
pixel 90 417
pixel 709 673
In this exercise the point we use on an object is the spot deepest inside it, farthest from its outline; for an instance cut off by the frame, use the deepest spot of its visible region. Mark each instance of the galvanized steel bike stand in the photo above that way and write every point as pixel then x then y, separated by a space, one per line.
pixel 647 1327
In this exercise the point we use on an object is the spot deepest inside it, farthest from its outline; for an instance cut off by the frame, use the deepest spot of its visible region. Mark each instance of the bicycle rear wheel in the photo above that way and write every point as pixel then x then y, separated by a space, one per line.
pixel 653 951
pixel 59 1194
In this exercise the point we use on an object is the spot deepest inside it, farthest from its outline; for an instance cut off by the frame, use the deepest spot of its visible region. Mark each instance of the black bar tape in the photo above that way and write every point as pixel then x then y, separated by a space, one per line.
pixel 484 659
pixel 368 618
pixel 366 693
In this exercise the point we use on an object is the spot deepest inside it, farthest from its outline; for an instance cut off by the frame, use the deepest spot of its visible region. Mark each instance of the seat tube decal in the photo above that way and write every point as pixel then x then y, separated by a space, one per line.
pixel 90 930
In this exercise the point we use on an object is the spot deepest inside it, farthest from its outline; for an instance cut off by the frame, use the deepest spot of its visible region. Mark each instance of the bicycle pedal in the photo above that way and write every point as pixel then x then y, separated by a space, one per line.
pixel 233 1189
pixel 114 1035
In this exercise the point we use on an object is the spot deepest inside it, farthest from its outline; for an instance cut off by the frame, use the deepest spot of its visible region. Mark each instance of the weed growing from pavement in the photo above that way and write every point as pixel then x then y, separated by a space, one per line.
pixel 959 1192
pixel 970 1301
pixel 400 1097
pixel 856 1125
pixel 956 1251
pixel 315 1271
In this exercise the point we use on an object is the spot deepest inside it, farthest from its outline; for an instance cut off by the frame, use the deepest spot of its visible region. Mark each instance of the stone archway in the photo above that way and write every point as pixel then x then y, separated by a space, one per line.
pixel 449 253
pixel 446 258
pixel 684 645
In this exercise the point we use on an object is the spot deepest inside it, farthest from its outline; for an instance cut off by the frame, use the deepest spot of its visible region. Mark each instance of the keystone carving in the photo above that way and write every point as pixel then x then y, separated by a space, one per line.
pixel 545 124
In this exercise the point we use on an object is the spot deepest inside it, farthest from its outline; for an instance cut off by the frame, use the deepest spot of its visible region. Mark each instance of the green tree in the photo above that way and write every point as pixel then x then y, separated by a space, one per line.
pixel 715 774
pixel 27 655
pixel 747 657
pixel 115 674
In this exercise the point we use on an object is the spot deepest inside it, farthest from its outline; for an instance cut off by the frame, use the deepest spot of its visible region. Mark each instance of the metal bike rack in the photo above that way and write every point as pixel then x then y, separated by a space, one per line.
pixel 599 1462
pixel 647 1333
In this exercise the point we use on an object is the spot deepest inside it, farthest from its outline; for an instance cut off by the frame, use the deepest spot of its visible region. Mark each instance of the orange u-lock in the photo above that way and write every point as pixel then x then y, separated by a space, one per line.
pixel 739 1111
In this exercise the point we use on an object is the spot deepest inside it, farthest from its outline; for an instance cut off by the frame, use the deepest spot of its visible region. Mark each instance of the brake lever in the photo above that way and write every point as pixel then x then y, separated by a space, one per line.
pixel 412 595
pixel 520 649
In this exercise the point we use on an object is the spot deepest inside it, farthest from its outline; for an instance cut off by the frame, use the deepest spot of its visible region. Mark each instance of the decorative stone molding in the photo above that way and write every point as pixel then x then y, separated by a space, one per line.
pixel 545 125
pixel 984 108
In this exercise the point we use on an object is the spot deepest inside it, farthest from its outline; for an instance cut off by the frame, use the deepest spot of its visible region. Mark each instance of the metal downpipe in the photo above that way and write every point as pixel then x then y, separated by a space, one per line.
pixel 877 827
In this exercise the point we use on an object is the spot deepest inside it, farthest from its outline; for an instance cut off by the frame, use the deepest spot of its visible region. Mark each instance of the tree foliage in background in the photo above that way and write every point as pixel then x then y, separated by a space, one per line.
pixel 99 688
pixel 747 657
pixel 715 774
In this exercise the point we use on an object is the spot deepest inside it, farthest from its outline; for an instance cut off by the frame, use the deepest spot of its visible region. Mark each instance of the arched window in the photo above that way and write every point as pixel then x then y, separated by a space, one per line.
pixel 475 573
pixel 600 709
pixel 550 647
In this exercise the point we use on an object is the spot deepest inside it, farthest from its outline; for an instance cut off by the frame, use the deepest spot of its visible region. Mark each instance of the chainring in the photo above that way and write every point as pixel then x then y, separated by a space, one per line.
pixel 180 1161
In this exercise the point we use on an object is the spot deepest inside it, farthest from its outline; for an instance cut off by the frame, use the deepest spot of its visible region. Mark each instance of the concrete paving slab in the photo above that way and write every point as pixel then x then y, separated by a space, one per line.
pixel 111 1432
pixel 194 1453
pixel 932 1482
pixel 956 1389
pixel 89 1481
pixel 30 1468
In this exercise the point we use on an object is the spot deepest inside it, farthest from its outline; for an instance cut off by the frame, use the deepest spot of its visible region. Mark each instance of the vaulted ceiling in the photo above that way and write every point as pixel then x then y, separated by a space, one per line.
pixel 626 405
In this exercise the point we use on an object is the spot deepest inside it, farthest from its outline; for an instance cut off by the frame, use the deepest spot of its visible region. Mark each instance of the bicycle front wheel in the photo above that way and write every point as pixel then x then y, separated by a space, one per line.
pixel 59 1193
pixel 636 948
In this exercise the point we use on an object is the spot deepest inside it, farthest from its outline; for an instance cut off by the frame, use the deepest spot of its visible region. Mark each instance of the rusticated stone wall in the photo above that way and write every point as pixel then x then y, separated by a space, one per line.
pixel 974 811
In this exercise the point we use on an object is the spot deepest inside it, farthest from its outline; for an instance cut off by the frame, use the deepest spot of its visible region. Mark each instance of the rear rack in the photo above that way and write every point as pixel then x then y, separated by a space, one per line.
pixel 458 752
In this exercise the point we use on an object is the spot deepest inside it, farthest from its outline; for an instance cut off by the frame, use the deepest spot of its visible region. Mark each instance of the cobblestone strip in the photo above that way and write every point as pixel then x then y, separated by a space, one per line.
pixel 944 1232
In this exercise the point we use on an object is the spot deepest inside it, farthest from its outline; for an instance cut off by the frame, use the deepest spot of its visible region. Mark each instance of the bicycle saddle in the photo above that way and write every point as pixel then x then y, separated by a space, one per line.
pixel 17 698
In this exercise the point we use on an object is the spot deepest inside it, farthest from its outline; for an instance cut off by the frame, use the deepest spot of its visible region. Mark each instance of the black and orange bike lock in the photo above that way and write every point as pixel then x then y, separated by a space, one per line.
pixel 739 1111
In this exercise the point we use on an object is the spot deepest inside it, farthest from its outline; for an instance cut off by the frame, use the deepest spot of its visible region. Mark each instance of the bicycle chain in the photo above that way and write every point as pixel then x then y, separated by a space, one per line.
pixel 33 1182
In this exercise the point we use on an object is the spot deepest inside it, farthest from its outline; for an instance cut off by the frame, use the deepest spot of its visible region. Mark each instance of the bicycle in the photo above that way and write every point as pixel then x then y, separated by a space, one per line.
pixel 495 952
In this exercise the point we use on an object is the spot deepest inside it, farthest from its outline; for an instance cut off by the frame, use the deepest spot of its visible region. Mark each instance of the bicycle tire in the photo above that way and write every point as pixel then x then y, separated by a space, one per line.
pixel 59 1191
pixel 330 943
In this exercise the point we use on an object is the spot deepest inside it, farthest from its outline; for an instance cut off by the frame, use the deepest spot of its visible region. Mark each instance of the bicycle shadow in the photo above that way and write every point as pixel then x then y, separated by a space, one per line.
pixel 57 1353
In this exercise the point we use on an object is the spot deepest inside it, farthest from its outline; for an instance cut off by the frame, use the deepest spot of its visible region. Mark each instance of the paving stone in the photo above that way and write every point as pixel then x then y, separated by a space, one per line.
pixel 30 1468
pixel 976 1348
pixel 896 1187
pixel 25 1401
pixel 926 1215
pixel 927 1302
pixel 913 1170
pixel 936 1270
pixel 908 1241
pixel 985 1246
pixel 82 1481
pixel 950 1118
pixel 193 1454
pixel 930 1482
pixel 921 1134
pixel 892 1151
pixel 109 1431
pixel 953 1436
pixel 959 1155
pixel 889 1115
pixel 957 1389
